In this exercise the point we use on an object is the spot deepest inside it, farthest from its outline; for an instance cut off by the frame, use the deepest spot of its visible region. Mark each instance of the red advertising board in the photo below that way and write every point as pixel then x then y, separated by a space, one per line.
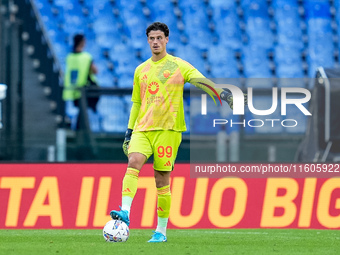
pixel 82 195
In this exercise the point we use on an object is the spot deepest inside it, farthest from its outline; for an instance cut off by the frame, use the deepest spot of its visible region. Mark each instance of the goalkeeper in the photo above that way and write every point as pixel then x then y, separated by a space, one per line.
pixel 157 121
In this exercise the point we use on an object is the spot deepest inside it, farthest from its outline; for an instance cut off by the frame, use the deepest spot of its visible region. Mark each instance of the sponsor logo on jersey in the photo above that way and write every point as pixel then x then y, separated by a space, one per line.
pixel 154 99
pixel 153 88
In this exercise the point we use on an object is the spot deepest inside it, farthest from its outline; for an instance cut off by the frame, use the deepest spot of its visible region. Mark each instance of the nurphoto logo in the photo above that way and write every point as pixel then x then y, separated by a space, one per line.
pixel 239 106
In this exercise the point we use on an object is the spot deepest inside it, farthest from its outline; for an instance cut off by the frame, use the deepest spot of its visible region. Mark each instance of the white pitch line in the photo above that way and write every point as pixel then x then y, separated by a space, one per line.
pixel 226 232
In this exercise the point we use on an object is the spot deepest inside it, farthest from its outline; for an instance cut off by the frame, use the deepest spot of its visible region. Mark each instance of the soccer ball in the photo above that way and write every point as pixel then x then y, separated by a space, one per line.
pixel 116 231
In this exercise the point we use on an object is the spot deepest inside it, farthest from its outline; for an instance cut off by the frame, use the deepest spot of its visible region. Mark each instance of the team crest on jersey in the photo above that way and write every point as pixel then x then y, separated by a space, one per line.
pixel 153 88
pixel 166 74
pixel 167 70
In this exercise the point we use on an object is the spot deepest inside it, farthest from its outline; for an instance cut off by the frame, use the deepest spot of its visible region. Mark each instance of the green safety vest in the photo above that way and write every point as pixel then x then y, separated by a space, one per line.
pixel 76 74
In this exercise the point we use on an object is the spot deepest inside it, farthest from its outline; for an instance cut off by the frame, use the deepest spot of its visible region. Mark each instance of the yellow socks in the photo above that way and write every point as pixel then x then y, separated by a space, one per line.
pixel 129 189
pixel 163 208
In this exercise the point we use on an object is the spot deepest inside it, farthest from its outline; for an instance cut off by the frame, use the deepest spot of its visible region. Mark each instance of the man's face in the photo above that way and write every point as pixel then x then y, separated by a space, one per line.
pixel 157 41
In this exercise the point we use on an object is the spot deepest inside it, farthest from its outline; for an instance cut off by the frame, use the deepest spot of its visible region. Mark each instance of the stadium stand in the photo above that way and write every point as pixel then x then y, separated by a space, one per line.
pixel 234 39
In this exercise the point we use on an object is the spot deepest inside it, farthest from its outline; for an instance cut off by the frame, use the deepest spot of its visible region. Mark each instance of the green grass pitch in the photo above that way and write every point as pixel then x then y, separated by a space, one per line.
pixel 202 241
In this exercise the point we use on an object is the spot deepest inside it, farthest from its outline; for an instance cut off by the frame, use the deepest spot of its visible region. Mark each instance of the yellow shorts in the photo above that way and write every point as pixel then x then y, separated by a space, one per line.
pixel 163 144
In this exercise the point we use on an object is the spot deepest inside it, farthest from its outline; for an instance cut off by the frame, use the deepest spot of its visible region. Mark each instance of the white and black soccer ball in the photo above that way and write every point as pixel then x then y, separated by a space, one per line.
pixel 116 231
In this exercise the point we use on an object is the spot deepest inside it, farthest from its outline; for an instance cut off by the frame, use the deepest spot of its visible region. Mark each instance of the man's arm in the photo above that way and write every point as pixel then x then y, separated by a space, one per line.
pixel 133 115
pixel 193 76
pixel 93 68
pixel 133 112
pixel 209 87
pixel 132 120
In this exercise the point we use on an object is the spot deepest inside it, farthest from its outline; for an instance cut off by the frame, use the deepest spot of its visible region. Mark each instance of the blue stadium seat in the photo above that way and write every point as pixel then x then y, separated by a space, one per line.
pixel 121 51
pixel 72 112
pixel 105 40
pixel 284 53
pixel 163 11
pixel 61 50
pixel 227 26
pixel 283 3
pixel 225 71
pixel 320 44
pixel 223 4
pixel 319 56
pixel 201 39
pixel 44 7
pixel 50 20
pixel 193 56
pixel 191 5
pixel 282 13
pixel 74 24
pixel 127 102
pixel 124 59
pixel 320 31
pixel 105 78
pixel 130 23
pixel 317 9
pixel 289 31
pixel 115 123
pixel 291 39
pixel 100 25
pixel 222 62
pixel 134 21
pixel 125 81
pixel 94 49
pixel 256 65
pixel 255 8
pixel 95 121
pixel 58 2
pixel 218 53
pixel 114 116
pixel 203 124
pixel 259 32
pixel 290 70
pixel 258 23
pixel 126 67
pixel 196 24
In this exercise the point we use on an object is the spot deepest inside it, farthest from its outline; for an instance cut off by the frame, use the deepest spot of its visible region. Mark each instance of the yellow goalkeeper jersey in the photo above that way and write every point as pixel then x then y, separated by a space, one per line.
pixel 158 88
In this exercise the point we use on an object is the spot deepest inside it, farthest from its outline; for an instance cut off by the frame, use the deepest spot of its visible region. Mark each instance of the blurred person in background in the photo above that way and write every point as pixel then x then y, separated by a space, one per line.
pixel 80 71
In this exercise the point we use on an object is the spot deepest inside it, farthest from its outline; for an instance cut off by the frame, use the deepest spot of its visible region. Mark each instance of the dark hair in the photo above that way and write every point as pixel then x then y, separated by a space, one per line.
pixel 77 39
pixel 158 26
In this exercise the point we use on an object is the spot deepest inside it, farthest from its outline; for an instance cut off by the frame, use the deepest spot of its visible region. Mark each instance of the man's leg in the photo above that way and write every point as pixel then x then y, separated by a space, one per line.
pixel 139 151
pixel 163 200
pixel 165 152
pixel 130 181
pixel 129 189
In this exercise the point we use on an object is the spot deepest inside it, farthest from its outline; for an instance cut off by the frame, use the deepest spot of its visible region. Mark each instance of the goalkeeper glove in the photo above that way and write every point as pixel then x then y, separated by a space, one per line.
pixel 127 139
pixel 228 97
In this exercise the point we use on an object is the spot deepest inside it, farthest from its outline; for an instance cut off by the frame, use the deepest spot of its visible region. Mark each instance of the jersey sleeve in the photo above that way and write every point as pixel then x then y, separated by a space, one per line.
pixel 193 76
pixel 133 115
pixel 136 88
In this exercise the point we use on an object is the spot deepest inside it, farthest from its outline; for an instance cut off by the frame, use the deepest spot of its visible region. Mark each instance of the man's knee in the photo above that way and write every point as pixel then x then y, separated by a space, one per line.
pixel 136 160
pixel 162 178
